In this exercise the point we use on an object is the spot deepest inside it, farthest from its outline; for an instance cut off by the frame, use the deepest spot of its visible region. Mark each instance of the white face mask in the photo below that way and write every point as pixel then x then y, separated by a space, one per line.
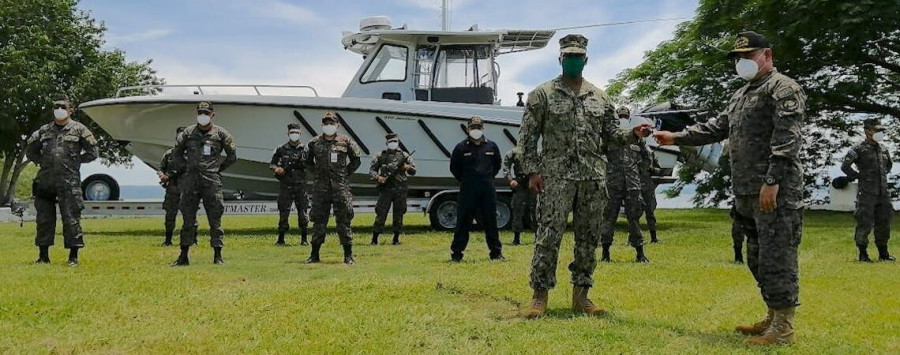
pixel 746 68
pixel 329 129
pixel 294 137
pixel 393 145
pixel 60 114
pixel 476 134
pixel 203 120
pixel 878 136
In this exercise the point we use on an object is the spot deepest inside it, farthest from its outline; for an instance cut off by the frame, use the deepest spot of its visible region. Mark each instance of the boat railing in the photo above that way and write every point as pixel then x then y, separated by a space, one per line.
pixel 206 89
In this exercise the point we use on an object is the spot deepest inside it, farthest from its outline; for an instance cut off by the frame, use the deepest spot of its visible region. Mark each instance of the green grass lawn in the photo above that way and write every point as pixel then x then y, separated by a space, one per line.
pixel 124 298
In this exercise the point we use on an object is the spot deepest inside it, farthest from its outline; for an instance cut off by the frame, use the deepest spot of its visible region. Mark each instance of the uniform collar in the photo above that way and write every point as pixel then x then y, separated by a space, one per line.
pixel 65 127
pixel 763 80
pixel 586 87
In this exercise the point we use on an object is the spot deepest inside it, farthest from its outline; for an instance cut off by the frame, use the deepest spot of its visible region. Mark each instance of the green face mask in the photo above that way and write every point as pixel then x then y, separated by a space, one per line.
pixel 573 66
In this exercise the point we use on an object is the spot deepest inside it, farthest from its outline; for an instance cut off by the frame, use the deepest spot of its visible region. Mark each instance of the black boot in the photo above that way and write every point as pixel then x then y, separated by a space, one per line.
pixel 605 257
pixel 348 255
pixel 863 254
pixel 73 257
pixel 217 256
pixel 639 255
pixel 883 254
pixel 280 241
pixel 168 241
pixel 653 238
pixel 43 255
pixel 183 257
pixel 738 255
pixel 396 238
pixel 374 238
pixel 303 236
pixel 314 254
pixel 516 240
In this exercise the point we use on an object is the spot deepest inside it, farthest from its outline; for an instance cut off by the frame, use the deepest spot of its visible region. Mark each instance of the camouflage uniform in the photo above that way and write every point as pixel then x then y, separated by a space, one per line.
pixel 763 122
pixel 292 187
pixel 648 166
pixel 623 184
pixel 331 163
pixel 173 192
pixel 198 161
pixel 523 199
pixel 873 199
pixel 388 163
pixel 576 129
pixel 60 151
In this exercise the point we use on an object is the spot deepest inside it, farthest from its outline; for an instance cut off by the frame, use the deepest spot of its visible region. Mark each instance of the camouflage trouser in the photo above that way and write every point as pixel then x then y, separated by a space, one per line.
pixel 390 195
pixel 586 200
pixel 633 209
pixel 648 197
pixel 737 231
pixel 192 192
pixel 523 206
pixel 292 195
pixel 873 211
pixel 323 199
pixel 772 242
pixel 70 202
pixel 170 205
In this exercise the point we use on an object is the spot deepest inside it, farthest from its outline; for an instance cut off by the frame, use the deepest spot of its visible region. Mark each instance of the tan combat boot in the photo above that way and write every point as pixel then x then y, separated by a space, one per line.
pixel 582 304
pixel 758 328
pixel 538 305
pixel 780 332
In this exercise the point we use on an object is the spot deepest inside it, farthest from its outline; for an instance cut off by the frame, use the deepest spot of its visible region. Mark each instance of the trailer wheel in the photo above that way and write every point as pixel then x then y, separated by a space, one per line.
pixel 504 212
pixel 443 215
pixel 100 187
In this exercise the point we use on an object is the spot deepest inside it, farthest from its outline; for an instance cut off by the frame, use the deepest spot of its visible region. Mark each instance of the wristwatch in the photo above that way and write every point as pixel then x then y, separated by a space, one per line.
pixel 770 180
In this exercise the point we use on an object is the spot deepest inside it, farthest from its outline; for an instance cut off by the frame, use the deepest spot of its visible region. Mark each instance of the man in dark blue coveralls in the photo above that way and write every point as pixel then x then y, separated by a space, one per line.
pixel 474 163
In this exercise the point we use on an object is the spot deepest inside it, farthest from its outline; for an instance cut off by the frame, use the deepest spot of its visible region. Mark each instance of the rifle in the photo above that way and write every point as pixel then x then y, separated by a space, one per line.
pixel 394 170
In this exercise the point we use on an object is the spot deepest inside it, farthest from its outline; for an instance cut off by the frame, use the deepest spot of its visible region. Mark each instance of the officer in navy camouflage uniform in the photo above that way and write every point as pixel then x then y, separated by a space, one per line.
pixel 331 158
pixel 873 198
pixel 287 165
pixel 59 148
pixel 763 123
pixel 390 169
pixel 198 160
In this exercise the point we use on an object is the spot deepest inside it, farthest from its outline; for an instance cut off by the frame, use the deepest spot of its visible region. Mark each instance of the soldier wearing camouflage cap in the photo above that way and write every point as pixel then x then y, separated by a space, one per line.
pixel 331 158
pixel 873 198
pixel 524 200
pixel 474 163
pixel 390 169
pixel 763 124
pixel 287 165
pixel 168 178
pixel 59 148
pixel 198 160
pixel 576 123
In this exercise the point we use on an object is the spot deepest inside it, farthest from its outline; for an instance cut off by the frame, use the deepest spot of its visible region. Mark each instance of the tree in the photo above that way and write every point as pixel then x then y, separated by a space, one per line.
pixel 49 47
pixel 845 54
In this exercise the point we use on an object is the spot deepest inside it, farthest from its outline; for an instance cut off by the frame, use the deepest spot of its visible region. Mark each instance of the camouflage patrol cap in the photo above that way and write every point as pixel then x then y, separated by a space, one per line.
pixel 391 137
pixel 294 127
pixel 623 111
pixel 747 42
pixel 329 117
pixel 205 106
pixel 873 124
pixel 476 121
pixel 574 43
pixel 61 99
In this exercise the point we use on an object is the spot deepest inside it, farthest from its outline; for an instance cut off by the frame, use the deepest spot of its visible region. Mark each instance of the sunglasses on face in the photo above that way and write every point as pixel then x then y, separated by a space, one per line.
pixel 202 112
pixel 60 106
pixel 477 126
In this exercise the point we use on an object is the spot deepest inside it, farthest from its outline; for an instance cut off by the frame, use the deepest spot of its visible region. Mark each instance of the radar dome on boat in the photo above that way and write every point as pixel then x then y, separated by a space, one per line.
pixel 374 23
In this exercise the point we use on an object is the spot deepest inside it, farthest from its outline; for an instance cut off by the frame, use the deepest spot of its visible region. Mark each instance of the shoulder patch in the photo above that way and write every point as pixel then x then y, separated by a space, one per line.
pixel 784 93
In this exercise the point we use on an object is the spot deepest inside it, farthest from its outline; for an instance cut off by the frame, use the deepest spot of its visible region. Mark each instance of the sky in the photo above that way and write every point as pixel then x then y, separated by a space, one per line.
pixel 297 42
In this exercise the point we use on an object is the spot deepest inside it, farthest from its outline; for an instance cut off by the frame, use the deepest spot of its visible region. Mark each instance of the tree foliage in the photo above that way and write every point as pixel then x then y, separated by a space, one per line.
pixel 49 47
pixel 845 54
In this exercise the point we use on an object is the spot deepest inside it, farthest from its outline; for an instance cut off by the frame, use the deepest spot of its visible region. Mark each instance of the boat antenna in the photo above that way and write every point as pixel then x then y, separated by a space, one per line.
pixel 445 15
pixel 608 24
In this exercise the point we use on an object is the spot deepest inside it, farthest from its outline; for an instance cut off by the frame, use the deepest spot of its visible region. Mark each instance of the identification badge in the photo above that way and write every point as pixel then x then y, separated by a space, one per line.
pixel 334 157
pixel 207 150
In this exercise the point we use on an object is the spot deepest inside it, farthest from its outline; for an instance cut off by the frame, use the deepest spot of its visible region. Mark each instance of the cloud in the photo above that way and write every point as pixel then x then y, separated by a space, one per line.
pixel 281 10
pixel 148 35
